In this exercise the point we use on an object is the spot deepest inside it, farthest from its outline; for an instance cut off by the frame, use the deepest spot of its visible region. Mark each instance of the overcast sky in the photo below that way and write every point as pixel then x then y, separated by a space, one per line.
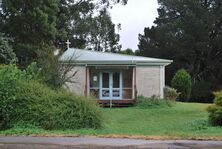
pixel 134 17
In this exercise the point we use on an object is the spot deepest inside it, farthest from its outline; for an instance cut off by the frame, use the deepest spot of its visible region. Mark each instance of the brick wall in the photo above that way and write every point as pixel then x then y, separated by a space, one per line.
pixel 79 86
pixel 148 80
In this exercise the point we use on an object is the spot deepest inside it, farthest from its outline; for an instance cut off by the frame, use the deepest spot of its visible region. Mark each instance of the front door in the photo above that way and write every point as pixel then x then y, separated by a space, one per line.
pixel 111 85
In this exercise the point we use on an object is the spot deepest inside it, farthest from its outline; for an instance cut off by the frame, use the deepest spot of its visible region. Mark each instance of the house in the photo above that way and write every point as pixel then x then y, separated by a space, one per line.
pixel 115 77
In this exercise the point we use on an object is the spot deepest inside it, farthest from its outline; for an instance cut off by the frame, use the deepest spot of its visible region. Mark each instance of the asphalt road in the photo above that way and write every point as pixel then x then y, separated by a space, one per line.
pixel 101 143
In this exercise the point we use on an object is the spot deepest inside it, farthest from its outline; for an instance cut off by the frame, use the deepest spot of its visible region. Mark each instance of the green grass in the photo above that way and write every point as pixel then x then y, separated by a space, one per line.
pixel 183 120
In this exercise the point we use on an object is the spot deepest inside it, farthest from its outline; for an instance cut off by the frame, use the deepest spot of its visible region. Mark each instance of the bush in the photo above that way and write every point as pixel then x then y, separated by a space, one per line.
pixel 202 92
pixel 215 115
pixel 198 124
pixel 215 111
pixel 57 110
pixel 170 93
pixel 153 102
pixel 182 83
pixel 9 80
pixel 32 72
pixel 77 112
pixel 32 102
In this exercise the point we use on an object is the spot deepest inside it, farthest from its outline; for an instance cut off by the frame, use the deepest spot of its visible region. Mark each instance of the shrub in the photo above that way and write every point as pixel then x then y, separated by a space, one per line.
pixel 198 124
pixel 75 112
pixel 170 93
pixel 215 115
pixel 29 101
pixel 215 111
pixel 9 80
pixel 56 110
pixel 202 92
pixel 32 72
pixel 56 74
pixel 153 102
pixel 182 83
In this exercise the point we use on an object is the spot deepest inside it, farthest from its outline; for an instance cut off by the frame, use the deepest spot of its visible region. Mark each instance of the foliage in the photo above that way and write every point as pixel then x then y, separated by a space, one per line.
pixel 9 77
pixel 170 93
pixel 31 24
pixel 38 24
pixel 182 83
pixel 215 111
pixel 153 102
pixel 83 21
pixel 215 115
pixel 57 110
pixel 198 124
pixel 7 54
pixel 218 94
pixel 127 51
pixel 102 35
pixel 188 32
pixel 56 74
pixel 29 101
pixel 182 121
pixel 202 92
pixel 33 72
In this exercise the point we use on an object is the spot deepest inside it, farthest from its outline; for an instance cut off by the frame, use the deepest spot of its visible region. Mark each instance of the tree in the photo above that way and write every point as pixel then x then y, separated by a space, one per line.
pixel 56 74
pixel 102 36
pixel 127 51
pixel 182 83
pixel 34 25
pixel 7 54
pixel 189 32
pixel 71 24
pixel 87 24
pixel 31 24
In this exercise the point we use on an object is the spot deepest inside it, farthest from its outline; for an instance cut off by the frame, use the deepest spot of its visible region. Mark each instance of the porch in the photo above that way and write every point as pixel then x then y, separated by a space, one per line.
pixel 117 103
pixel 115 85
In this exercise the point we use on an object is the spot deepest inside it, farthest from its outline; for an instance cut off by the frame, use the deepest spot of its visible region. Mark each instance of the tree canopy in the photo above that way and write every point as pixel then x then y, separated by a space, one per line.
pixel 7 54
pixel 102 35
pixel 31 24
pixel 37 25
pixel 190 33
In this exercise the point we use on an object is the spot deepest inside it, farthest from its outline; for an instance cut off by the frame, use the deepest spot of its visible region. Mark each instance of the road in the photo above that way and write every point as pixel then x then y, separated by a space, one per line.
pixel 101 143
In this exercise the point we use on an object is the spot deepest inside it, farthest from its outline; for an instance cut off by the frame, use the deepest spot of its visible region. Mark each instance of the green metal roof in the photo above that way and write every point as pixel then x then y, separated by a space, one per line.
pixel 82 56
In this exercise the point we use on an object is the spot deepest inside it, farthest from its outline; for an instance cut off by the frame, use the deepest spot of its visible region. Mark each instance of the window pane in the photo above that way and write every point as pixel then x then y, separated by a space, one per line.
pixel 105 83
pixel 116 93
pixel 94 93
pixel 105 93
pixel 94 78
pixel 116 78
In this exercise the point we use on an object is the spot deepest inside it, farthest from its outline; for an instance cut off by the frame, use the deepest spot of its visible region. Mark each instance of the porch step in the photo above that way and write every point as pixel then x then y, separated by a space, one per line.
pixel 117 103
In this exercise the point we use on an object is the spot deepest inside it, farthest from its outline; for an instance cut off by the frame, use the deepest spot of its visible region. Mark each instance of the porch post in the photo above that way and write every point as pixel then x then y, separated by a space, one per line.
pixel 86 81
pixel 162 81
pixel 134 83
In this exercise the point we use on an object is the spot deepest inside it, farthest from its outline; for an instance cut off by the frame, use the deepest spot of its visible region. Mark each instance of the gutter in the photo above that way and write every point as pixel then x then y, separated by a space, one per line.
pixel 139 63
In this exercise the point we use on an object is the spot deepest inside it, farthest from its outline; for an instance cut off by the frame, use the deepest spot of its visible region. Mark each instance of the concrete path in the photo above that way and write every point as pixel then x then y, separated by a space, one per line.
pixel 101 143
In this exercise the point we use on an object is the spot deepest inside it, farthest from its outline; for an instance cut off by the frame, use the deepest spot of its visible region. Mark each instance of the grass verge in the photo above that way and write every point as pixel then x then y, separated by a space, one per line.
pixel 181 121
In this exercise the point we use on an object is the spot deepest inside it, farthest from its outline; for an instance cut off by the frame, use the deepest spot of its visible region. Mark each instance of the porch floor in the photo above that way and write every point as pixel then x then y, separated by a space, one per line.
pixel 117 103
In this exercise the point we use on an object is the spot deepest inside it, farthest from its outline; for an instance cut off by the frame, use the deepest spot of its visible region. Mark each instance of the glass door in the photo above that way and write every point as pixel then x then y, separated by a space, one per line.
pixel 116 85
pixel 111 85
pixel 105 86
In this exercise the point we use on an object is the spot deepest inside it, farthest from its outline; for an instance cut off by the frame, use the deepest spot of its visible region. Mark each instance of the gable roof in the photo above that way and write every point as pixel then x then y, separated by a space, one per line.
pixel 82 56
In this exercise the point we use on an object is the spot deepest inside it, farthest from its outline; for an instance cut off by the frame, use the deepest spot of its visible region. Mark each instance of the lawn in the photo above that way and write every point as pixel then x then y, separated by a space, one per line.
pixel 182 121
